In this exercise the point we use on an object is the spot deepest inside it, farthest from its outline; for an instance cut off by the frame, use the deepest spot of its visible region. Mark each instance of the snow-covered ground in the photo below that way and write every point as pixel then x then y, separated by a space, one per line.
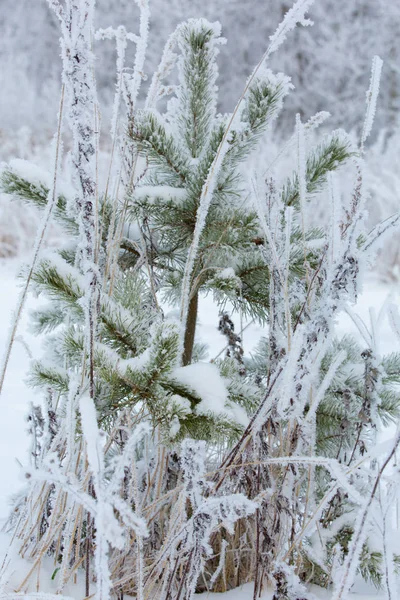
pixel 246 593
pixel 17 396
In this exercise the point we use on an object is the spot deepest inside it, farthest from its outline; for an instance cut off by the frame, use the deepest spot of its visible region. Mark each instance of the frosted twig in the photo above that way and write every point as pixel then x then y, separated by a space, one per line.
pixel 313 123
pixel 166 65
pixel 372 97
pixel 355 547
pixel 359 323
pixel 377 235
pixel 394 319
pixel 294 15
pixel 339 359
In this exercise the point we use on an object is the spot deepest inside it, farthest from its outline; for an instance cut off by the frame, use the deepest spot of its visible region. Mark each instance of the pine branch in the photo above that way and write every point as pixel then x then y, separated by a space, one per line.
pixel 153 141
pixel 36 194
pixel 196 102
pixel 329 156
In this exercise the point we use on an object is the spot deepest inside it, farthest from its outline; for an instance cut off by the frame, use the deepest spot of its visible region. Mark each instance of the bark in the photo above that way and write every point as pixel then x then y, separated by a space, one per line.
pixel 190 330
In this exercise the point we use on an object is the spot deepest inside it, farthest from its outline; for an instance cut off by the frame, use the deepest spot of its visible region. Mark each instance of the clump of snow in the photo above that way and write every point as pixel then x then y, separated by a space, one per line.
pixel 227 273
pixel 205 380
pixel 181 403
pixel 174 427
pixel 137 362
pixel 163 192
pixel 131 231
pixel 229 276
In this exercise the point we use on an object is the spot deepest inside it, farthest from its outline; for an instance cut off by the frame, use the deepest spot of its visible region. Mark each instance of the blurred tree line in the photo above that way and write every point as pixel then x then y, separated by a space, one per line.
pixel 329 63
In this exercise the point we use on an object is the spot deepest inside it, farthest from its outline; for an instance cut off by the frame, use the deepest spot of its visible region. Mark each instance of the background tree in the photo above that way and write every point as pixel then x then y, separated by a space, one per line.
pixel 345 37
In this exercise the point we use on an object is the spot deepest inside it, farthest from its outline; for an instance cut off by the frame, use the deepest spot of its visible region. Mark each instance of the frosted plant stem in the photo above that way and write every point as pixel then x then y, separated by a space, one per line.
pixel 372 97
pixel 129 89
pixel 167 62
pixel 135 80
pixel 268 236
pixel 377 234
pixel 121 37
pixel 149 269
pixel 312 123
pixel 358 537
pixel 51 202
pixel 139 538
pixel 390 578
pixel 128 86
pixel 97 228
pixel 80 85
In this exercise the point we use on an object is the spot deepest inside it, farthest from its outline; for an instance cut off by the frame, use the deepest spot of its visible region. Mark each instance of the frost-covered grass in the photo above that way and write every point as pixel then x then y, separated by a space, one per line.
pixel 17 396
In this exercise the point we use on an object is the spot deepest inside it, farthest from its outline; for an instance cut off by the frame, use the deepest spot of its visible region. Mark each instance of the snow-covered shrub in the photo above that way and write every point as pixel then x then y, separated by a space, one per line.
pixel 157 473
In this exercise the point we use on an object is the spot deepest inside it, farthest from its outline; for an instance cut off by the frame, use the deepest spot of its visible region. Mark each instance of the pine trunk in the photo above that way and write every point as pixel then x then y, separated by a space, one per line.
pixel 190 330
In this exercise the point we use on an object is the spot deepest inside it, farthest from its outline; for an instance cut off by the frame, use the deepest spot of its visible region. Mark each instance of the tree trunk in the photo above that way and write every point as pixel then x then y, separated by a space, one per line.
pixel 190 330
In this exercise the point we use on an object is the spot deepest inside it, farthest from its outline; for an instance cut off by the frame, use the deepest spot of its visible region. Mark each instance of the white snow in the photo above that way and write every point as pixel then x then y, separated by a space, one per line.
pixel 227 273
pixel 205 380
pixel 16 396
pixel 164 192
pixel 246 593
